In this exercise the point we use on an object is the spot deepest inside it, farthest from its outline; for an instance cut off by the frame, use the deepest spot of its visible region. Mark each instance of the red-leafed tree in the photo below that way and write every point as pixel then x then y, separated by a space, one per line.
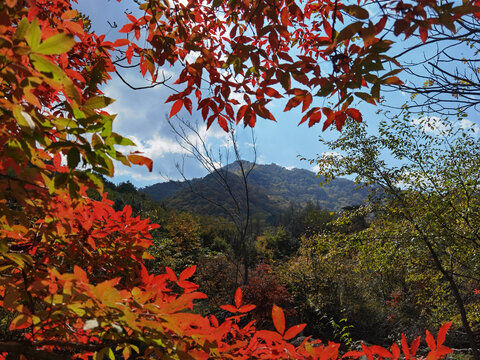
pixel 72 279
pixel 303 51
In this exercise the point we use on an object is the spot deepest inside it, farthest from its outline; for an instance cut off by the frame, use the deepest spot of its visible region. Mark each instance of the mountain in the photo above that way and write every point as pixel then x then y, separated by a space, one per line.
pixel 271 189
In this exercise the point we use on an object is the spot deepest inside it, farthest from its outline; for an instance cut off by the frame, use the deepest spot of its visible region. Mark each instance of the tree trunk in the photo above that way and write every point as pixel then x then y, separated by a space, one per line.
pixel 458 299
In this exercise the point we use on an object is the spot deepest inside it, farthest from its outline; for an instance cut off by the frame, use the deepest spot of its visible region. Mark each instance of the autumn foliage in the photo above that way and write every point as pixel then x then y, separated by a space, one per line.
pixel 72 277
pixel 243 48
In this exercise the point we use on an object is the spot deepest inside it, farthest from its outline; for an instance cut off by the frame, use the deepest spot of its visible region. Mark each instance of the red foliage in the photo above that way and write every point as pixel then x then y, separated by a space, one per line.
pixel 72 274
pixel 246 48
pixel 264 290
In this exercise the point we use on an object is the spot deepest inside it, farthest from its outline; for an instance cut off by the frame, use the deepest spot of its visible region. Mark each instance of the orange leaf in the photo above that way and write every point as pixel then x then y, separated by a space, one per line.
pixel 381 351
pixel 278 319
pixel 238 297
pixel 268 335
pixel 121 42
pixel 393 80
pixel 177 105
pixel 80 274
pixel 430 341
pixel 443 350
pixel 187 273
pixel 171 274
pixel 293 331
pixel 284 17
pixel 414 346
pixel 91 242
pixel 246 308
pixel 395 351
pixel 11 3
pixel 229 308
pixel 131 18
pixel 141 160
pixel 405 349
pixel 187 285
pixel 353 354
pixel 442 333
pixel 126 28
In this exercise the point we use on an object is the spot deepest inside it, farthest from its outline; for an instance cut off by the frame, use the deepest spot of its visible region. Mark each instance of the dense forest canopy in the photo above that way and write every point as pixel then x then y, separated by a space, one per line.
pixel 83 276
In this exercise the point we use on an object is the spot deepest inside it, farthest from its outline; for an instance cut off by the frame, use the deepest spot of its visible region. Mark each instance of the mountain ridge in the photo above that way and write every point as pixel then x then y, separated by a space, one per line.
pixel 271 189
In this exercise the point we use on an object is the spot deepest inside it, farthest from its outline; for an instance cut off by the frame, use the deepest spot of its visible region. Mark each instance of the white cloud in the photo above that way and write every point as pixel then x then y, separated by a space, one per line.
pixel 466 124
pixel 437 126
pixel 158 146
pixel 431 124
pixel 134 173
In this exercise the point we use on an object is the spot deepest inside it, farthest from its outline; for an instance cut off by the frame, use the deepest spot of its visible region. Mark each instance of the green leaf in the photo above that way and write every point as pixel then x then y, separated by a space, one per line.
pixel 77 309
pixel 326 89
pixel 98 102
pixel 96 142
pixel 33 35
pixel 73 158
pixel 120 140
pixel 3 246
pixel 357 11
pixel 60 179
pixel 71 91
pixel 48 68
pixel 375 90
pixel 79 114
pixel 348 31
pixel 56 44
pixel 21 30
pixel 111 355
pixel 366 97
pixel 107 128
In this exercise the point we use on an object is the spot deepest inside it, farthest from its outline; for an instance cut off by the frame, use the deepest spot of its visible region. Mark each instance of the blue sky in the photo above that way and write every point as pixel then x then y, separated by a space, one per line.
pixel 142 117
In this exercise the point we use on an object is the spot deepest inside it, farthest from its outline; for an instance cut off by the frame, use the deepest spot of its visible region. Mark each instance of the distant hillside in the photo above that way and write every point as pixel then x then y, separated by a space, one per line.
pixel 271 187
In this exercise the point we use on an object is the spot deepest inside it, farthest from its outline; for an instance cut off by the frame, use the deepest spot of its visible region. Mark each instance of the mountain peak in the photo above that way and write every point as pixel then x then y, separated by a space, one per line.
pixel 271 188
